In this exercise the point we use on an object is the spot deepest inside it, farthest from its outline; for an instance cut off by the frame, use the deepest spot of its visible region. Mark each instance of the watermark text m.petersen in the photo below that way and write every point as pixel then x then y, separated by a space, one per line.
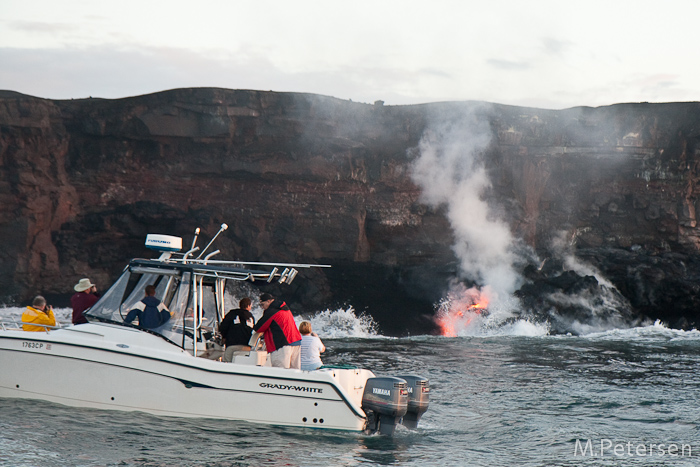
pixel 609 448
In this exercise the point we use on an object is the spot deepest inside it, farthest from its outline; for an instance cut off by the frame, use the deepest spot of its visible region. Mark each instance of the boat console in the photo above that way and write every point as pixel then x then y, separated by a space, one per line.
pixel 257 355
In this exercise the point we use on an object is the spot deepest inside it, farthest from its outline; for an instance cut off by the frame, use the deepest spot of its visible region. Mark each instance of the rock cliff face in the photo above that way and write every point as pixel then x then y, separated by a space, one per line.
pixel 306 178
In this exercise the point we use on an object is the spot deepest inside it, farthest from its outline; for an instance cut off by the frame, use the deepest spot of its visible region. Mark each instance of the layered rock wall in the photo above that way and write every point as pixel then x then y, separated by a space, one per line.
pixel 307 178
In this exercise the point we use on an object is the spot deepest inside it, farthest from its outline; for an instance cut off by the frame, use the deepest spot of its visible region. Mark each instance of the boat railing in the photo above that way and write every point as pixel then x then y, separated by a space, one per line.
pixel 245 263
pixel 8 324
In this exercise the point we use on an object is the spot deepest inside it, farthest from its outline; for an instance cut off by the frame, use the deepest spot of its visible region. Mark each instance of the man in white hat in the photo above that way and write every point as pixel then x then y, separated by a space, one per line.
pixel 85 296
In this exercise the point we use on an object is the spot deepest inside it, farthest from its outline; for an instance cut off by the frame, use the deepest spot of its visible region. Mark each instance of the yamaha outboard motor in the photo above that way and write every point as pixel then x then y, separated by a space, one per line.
pixel 418 399
pixel 385 401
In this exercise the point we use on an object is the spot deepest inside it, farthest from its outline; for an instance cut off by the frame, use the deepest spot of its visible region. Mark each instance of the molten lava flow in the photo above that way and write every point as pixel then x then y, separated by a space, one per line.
pixel 459 309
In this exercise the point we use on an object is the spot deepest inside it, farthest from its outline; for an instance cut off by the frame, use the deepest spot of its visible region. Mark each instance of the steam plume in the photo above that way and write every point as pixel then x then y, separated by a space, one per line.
pixel 450 170
pixel 449 167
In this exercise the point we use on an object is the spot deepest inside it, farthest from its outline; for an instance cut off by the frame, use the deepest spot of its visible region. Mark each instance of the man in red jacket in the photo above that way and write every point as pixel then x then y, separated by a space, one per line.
pixel 282 337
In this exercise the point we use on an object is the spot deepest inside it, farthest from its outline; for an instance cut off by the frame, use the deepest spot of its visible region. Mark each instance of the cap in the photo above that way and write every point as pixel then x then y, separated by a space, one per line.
pixel 265 297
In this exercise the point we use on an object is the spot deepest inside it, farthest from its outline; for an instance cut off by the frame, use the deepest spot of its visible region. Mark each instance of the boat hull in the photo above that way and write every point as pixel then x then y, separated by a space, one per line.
pixel 106 368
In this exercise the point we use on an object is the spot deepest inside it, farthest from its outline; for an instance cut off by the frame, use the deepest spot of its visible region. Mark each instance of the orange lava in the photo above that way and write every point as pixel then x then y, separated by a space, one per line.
pixel 458 311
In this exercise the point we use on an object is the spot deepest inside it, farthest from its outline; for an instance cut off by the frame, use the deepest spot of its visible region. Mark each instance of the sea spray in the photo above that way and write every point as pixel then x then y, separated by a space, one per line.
pixel 646 333
pixel 332 324
pixel 14 313
pixel 341 323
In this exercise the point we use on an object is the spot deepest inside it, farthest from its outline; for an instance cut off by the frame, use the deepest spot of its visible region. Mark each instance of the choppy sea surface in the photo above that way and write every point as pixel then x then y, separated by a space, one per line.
pixel 617 397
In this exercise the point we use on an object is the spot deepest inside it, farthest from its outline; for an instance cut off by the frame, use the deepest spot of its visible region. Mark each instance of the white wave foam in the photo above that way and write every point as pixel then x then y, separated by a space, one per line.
pixel 658 330
pixel 483 327
pixel 340 323
pixel 524 328
pixel 63 315
pixel 332 324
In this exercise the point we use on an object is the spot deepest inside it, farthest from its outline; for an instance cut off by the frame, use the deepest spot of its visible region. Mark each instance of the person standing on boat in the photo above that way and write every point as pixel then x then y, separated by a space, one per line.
pixel 282 338
pixel 150 311
pixel 38 314
pixel 237 336
pixel 311 348
pixel 84 297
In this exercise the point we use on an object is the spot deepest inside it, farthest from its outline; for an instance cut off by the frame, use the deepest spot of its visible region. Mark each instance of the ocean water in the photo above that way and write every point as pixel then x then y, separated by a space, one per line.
pixel 516 397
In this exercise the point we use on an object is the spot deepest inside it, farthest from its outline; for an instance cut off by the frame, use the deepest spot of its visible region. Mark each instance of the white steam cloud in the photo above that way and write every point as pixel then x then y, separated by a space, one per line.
pixel 603 310
pixel 449 168
pixel 451 173
pixel 562 245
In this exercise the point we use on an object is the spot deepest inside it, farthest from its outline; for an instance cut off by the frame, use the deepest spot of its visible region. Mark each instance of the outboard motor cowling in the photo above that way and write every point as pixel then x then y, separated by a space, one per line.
pixel 418 399
pixel 385 401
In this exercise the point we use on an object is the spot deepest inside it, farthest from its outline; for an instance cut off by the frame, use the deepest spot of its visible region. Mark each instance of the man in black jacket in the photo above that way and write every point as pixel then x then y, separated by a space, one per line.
pixel 236 336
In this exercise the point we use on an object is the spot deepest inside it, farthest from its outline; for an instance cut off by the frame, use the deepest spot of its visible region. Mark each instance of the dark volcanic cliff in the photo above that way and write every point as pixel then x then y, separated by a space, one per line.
pixel 306 178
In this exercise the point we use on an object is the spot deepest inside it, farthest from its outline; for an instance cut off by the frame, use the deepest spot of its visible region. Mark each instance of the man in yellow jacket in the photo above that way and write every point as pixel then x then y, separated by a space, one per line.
pixel 38 313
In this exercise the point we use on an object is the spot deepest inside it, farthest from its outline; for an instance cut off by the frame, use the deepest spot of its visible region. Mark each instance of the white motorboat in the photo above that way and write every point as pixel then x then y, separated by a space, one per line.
pixel 176 369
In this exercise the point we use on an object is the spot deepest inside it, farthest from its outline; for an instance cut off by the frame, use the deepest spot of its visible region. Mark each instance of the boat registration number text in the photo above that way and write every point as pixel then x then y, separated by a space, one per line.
pixel 33 345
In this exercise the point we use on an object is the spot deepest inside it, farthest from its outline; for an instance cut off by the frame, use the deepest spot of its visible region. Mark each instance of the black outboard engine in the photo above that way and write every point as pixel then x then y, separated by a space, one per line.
pixel 418 399
pixel 385 401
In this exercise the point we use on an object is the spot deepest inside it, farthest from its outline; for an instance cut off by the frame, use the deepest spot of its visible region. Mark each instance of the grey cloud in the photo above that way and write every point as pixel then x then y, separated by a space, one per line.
pixel 435 72
pixel 507 64
pixel 40 27
pixel 667 84
pixel 555 46
pixel 110 72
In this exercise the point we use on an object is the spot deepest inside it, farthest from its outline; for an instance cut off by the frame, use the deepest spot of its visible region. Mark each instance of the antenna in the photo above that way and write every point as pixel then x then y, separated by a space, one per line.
pixel 194 240
pixel 223 227
pixel 272 274
pixel 192 248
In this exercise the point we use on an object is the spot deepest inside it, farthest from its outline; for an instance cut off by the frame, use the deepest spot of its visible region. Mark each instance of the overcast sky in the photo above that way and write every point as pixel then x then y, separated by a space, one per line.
pixel 549 54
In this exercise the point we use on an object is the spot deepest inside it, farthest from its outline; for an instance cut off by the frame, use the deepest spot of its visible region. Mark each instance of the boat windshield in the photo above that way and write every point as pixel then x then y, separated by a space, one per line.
pixel 194 301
